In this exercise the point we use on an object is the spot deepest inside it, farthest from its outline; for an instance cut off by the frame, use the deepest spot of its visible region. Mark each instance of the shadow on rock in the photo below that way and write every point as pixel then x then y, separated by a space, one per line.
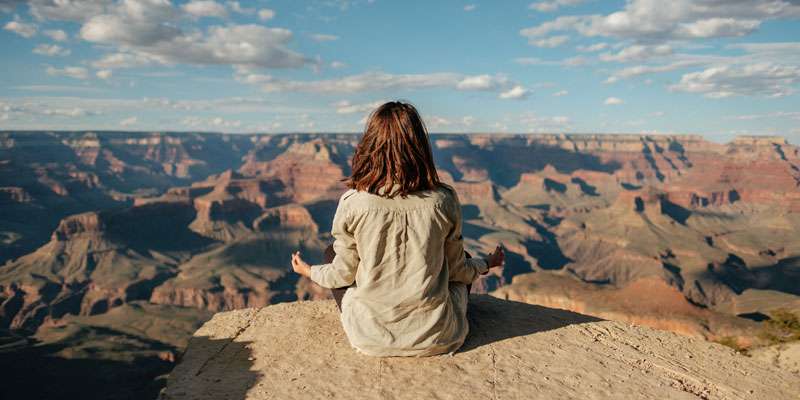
pixel 230 359
pixel 492 320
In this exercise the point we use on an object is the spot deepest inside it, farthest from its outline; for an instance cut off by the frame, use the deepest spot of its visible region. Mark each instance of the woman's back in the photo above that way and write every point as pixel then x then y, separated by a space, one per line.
pixel 408 295
pixel 398 245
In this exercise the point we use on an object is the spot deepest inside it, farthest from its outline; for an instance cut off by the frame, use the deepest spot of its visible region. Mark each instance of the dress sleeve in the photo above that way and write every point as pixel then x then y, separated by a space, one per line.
pixel 341 272
pixel 461 268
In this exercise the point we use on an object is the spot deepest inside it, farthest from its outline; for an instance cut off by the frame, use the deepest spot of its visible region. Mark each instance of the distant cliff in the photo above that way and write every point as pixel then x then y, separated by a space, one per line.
pixel 514 351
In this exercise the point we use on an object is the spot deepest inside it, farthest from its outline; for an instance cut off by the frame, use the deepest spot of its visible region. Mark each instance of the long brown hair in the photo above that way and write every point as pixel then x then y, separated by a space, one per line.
pixel 394 150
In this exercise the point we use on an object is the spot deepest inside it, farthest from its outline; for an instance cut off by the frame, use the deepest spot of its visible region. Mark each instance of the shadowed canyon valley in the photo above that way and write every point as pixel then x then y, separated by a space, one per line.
pixel 115 247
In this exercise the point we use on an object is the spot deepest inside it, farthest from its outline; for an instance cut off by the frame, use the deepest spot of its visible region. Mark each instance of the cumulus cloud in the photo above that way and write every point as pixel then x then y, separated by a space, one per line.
pixel 481 82
pixel 21 28
pixel 322 37
pixel 637 53
pixel 213 123
pixel 536 123
pixel 678 19
pixel 560 93
pixel 67 112
pixel 64 10
pixel 593 47
pixel 373 81
pixel 550 6
pixel 8 6
pixel 51 50
pixel 515 93
pixel 205 8
pixel 337 64
pixel 567 62
pixel 70 72
pixel 265 14
pixel 638 70
pixel 104 74
pixel 470 7
pixel 346 107
pixel 437 122
pixel 550 42
pixel 759 79
pixel 129 121
pixel 613 101
pixel 126 60
pixel 56 34
pixel 148 30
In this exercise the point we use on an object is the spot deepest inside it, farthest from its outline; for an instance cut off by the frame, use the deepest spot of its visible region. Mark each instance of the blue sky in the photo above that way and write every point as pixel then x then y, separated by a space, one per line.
pixel 712 67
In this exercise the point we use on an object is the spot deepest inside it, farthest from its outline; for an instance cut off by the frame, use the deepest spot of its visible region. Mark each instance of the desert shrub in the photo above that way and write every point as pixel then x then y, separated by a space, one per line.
pixel 783 326
pixel 731 342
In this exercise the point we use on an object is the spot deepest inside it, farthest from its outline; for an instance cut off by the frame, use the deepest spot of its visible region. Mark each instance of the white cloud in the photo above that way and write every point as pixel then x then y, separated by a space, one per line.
pixel 517 92
pixel 567 62
pixel 470 7
pixel 70 72
pixel 593 47
pixel 481 82
pixel 321 37
pixel 129 121
pixel 65 10
pixel 346 107
pixel 794 115
pixel 125 60
pixel 768 47
pixel 104 74
pixel 51 50
pixel 560 93
pixel 437 122
pixel 265 14
pixel 56 34
pixel 21 28
pixel 677 19
pixel 550 6
pixel 7 6
pixel 550 42
pixel 613 101
pixel 373 81
pixel 150 29
pixel 639 70
pixel 205 8
pixel 717 27
pixel 237 8
pixel 536 123
pixel 212 123
pixel 233 44
pixel 760 79
pixel 337 64
pixel 246 75
pixel 637 53
pixel 576 61
pixel 67 112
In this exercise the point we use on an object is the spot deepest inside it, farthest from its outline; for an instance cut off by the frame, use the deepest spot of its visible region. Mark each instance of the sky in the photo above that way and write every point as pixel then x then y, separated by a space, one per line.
pixel 719 68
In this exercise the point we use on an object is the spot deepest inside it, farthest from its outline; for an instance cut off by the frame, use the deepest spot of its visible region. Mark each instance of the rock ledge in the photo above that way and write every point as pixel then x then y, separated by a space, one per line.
pixel 514 351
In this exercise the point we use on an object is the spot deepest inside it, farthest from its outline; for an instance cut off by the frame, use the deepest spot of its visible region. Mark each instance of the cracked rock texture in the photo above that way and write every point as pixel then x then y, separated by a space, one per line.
pixel 514 351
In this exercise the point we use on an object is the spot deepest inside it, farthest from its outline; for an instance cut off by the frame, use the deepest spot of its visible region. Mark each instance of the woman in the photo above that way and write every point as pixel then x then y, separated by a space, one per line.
pixel 398 246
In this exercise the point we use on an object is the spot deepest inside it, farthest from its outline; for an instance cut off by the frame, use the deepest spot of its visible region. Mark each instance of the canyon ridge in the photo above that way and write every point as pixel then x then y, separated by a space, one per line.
pixel 116 246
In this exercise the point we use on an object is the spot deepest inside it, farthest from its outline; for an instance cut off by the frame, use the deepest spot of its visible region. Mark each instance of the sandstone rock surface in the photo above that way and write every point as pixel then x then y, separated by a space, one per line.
pixel 514 351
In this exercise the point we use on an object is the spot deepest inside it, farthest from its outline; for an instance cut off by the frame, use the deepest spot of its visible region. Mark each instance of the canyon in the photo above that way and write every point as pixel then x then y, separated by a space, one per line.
pixel 106 235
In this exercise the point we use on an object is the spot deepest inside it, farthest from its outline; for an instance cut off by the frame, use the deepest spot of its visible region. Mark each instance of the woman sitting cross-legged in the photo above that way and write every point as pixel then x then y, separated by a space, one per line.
pixel 399 255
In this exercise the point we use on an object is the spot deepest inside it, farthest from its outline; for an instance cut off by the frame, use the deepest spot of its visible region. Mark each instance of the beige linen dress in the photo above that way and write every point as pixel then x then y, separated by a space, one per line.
pixel 404 258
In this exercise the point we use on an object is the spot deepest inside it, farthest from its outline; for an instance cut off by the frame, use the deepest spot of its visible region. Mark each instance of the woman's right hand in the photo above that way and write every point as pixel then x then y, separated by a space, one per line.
pixel 496 259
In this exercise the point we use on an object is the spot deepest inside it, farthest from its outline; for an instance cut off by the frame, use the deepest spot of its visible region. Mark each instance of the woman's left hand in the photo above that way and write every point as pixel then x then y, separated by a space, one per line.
pixel 299 266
